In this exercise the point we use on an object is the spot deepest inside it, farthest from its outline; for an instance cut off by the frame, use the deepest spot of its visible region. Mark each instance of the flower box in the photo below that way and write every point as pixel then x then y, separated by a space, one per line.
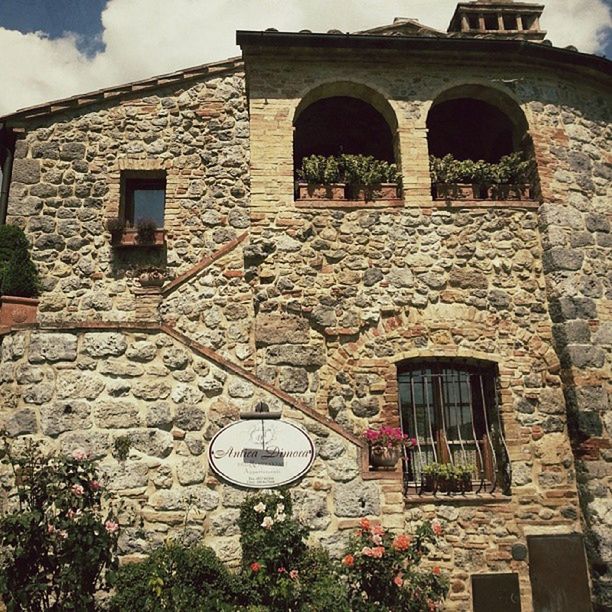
pixel 510 192
pixel 15 310
pixel 457 191
pixel 385 191
pixel 129 238
pixel 334 191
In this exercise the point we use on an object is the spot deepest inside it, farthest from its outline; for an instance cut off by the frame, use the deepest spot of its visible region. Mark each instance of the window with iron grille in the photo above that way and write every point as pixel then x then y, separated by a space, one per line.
pixel 450 409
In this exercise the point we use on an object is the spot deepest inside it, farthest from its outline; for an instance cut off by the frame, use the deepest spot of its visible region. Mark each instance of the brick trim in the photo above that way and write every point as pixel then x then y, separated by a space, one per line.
pixel 202 264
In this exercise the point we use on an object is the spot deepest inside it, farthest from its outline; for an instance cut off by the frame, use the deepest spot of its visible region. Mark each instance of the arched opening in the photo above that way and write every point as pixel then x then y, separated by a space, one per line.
pixel 483 131
pixel 342 124
pixel 473 123
pixel 344 144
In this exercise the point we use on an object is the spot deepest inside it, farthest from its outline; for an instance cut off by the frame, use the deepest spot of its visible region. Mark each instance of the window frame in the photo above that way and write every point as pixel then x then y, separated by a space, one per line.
pixel 487 441
pixel 140 180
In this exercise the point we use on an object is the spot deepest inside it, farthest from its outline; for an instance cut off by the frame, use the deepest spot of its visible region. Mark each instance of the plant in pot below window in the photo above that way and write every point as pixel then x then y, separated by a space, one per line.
pixel 20 287
pixel 116 227
pixel 319 179
pixel 512 178
pixel 386 446
pixel 454 179
pixel 369 178
pixel 429 477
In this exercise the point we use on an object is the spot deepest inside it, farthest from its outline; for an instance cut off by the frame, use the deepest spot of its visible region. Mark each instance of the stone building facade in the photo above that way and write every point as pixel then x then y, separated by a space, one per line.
pixel 315 307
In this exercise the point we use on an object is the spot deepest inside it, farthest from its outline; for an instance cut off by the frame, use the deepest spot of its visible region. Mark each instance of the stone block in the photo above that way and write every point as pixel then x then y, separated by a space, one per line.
pixel 560 258
pixel 356 499
pixel 26 171
pixel 19 422
pixel 293 380
pixel 52 348
pixel 116 414
pixel 104 344
pixel 297 355
pixel 273 328
pixel 67 415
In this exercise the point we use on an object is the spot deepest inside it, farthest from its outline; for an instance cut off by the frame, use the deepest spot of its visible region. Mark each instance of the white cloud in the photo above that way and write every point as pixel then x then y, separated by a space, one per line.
pixel 148 37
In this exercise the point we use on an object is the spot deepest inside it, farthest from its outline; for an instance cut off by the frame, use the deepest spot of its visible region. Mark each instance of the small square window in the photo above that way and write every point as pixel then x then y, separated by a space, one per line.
pixel 144 197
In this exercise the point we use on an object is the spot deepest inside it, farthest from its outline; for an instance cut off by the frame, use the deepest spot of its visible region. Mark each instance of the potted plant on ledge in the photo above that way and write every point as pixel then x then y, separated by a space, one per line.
pixel 385 446
pixel 369 178
pixel 319 179
pixel 146 233
pixel 512 178
pixel 19 282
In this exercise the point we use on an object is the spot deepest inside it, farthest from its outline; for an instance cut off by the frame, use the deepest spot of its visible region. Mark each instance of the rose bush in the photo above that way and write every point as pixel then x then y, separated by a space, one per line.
pixel 381 569
pixel 57 543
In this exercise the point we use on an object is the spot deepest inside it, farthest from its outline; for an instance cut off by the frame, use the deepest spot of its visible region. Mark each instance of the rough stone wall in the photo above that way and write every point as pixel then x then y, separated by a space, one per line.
pixel 66 183
pixel 575 225
pixel 320 305
pixel 383 285
pixel 86 389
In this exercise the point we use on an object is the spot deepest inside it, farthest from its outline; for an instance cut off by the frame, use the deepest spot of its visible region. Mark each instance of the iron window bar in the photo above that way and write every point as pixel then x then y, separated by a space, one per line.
pixel 453 415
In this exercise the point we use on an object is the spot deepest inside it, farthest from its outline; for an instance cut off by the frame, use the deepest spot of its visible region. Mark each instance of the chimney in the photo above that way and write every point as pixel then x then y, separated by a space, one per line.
pixel 497 19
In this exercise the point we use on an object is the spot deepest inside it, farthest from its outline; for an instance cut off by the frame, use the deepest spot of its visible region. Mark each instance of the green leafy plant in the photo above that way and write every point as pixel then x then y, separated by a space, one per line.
pixel 365 173
pixel 145 230
pixel 175 577
pixel 511 169
pixel 381 569
pixel 116 227
pixel 121 447
pixel 361 173
pixel 319 170
pixel 19 276
pixel 278 569
pixel 57 544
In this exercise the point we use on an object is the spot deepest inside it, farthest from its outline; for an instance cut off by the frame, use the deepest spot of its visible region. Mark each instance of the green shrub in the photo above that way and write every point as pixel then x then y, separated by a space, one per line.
pixel 319 170
pixel 381 570
pixel 145 230
pixel 12 238
pixel 57 545
pixel 20 277
pixel 176 578
pixel 510 170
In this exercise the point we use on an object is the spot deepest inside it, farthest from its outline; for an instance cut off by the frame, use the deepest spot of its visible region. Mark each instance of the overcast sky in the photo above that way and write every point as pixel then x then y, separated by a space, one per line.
pixel 51 49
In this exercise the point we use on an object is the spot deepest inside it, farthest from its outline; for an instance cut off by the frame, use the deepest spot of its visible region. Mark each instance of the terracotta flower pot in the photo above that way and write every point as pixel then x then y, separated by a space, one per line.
pixel 16 310
pixel 511 192
pixel 335 191
pixel 154 278
pixel 384 457
pixel 129 238
pixel 457 191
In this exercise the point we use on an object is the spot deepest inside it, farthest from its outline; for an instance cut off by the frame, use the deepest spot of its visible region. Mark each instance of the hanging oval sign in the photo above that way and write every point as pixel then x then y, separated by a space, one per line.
pixel 261 453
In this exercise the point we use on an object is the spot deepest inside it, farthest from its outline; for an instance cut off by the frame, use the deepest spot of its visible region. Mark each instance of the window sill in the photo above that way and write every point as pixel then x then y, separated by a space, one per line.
pixel 467 499
pixel 530 204
pixel 347 204
pixel 129 239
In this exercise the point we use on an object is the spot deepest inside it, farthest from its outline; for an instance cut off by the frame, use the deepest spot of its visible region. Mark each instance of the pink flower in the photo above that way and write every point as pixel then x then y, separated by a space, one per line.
pixel 378 530
pixel 79 454
pixel 50 529
pixel 255 567
pixel 281 570
pixel 95 485
pixel 401 542
pixel 436 527
pixel 72 514
pixel 367 551
pixel 378 551
pixel 377 539
pixel 78 490
pixel 348 560
pixel 398 580
pixel 111 526
pixel 364 523
pixel 293 574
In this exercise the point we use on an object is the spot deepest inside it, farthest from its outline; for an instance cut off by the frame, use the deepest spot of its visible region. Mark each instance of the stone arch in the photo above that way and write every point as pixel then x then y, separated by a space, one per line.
pixel 494 113
pixel 354 104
